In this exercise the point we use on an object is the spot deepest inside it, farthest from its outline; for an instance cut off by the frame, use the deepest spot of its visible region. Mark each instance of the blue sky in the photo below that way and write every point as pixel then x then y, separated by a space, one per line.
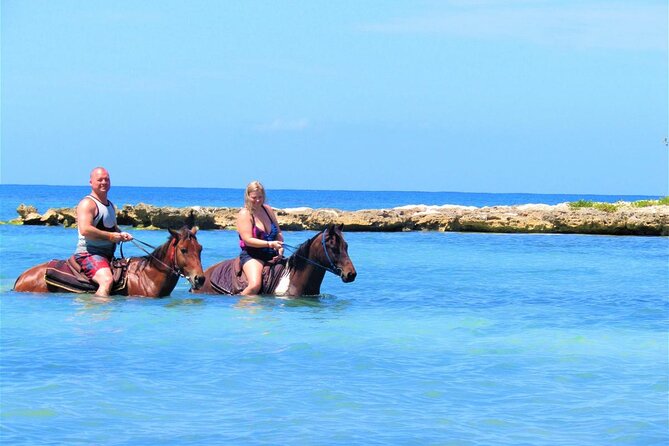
pixel 469 96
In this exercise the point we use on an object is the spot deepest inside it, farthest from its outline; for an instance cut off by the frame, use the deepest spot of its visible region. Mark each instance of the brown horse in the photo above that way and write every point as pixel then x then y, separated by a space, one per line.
pixel 154 275
pixel 303 274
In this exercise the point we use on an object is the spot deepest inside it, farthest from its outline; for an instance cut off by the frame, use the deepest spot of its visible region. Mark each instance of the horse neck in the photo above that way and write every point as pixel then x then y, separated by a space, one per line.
pixel 308 279
pixel 159 270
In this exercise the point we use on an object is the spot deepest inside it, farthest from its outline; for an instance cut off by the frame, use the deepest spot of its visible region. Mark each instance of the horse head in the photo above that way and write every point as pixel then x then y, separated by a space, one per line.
pixel 187 252
pixel 336 252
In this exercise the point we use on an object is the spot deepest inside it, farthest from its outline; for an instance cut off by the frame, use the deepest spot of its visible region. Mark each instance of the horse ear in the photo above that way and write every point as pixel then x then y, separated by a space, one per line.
pixel 190 221
pixel 194 230
pixel 340 227
pixel 174 232
pixel 330 229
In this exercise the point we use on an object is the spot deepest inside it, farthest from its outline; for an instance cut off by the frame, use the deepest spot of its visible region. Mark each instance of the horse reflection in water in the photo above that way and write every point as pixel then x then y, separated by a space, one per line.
pixel 154 275
pixel 301 275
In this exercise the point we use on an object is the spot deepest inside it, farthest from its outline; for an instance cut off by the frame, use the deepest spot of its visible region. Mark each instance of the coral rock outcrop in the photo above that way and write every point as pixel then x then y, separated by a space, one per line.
pixel 625 219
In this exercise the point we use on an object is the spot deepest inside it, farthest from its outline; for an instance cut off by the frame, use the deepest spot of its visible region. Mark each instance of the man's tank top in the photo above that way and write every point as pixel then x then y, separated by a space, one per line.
pixel 105 220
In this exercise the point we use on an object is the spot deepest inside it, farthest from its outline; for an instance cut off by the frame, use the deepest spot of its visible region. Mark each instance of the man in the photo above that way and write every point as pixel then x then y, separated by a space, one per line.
pixel 98 232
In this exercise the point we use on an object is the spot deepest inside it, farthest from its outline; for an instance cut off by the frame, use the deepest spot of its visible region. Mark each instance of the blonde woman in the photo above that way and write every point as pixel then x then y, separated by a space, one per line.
pixel 260 236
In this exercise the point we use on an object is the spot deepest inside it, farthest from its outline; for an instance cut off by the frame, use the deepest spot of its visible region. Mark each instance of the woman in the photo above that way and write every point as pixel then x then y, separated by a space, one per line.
pixel 259 236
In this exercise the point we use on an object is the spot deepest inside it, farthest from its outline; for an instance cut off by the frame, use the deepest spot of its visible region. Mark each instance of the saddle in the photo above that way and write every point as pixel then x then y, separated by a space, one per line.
pixel 67 275
pixel 228 277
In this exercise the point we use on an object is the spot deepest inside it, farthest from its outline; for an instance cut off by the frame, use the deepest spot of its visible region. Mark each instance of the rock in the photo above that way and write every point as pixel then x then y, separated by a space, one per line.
pixel 68 216
pixel 371 220
pixel 32 218
pixel 24 210
pixel 135 216
pixel 224 218
pixel 622 219
pixel 51 218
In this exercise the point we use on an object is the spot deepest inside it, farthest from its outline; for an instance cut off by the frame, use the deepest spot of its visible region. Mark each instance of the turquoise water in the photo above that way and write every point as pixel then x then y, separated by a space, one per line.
pixel 444 338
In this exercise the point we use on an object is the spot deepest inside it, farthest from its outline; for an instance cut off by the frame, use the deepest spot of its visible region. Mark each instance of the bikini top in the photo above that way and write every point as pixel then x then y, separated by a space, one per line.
pixel 259 233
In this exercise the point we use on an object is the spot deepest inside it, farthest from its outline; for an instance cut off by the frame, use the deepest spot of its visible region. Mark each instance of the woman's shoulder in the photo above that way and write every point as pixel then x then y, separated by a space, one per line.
pixel 270 210
pixel 271 214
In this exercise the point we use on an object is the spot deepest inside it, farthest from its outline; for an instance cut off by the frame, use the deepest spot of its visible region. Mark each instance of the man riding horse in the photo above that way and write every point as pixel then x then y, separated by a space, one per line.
pixel 98 232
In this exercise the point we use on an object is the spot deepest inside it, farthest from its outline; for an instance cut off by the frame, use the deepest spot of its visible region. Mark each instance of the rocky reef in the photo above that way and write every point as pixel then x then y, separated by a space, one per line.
pixel 621 219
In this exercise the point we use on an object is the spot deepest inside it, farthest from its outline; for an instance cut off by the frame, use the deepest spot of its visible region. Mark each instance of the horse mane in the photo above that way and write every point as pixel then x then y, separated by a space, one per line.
pixel 161 251
pixel 297 260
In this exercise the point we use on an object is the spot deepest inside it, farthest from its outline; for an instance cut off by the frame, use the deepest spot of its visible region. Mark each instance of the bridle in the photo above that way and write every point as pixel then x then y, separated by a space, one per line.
pixel 174 270
pixel 334 269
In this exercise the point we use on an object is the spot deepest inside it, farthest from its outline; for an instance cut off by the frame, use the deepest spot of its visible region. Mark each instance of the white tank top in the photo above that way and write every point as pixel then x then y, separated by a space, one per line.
pixel 105 220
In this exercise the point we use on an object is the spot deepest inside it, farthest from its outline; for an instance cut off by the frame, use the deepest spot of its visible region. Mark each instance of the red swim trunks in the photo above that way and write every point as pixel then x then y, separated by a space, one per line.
pixel 91 263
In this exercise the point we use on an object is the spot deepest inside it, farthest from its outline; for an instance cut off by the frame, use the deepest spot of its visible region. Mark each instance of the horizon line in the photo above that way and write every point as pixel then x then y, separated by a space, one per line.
pixel 353 190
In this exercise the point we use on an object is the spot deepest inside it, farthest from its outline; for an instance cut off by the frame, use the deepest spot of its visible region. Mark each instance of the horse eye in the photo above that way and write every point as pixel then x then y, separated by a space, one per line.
pixel 184 250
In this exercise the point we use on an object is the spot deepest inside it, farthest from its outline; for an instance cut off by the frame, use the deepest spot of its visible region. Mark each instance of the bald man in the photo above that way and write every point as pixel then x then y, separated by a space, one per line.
pixel 98 232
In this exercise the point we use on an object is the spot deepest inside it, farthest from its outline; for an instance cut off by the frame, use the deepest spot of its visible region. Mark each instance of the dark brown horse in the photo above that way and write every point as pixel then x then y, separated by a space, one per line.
pixel 303 273
pixel 154 275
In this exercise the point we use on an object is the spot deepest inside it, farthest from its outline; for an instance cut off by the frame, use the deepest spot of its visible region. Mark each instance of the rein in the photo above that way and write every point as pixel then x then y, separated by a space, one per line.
pixel 332 268
pixel 174 270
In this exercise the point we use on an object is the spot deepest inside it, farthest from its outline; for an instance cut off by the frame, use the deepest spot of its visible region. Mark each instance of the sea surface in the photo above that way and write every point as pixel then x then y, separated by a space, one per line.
pixel 45 197
pixel 443 339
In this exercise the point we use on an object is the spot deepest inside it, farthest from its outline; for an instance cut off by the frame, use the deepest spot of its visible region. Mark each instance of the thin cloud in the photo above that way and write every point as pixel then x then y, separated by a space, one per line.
pixel 597 25
pixel 282 125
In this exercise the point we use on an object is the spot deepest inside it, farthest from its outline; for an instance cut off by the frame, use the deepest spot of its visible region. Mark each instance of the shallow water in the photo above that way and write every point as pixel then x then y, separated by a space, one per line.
pixel 444 338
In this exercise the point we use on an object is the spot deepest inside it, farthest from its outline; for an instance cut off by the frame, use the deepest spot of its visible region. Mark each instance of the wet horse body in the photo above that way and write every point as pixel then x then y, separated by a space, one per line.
pixel 154 275
pixel 305 269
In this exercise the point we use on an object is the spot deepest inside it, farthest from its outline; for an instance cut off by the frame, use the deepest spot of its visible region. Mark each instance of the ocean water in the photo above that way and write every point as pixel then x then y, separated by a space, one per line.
pixel 444 338
pixel 45 197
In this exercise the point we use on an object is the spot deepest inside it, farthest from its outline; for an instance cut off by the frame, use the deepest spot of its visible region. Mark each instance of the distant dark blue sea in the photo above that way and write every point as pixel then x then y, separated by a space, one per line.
pixel 68 196
pixel 442 339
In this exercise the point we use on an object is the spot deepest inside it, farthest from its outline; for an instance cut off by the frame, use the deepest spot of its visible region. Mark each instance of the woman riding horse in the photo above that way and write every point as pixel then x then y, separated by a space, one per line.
pixel 301 275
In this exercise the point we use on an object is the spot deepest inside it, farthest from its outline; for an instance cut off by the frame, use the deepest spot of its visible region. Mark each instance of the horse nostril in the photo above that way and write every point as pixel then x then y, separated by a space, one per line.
pixel 199 280
pixel 349 277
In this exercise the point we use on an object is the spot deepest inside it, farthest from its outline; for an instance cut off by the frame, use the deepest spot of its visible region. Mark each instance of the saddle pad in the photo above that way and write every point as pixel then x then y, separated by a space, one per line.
pixel 228 277
pixel 67 275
